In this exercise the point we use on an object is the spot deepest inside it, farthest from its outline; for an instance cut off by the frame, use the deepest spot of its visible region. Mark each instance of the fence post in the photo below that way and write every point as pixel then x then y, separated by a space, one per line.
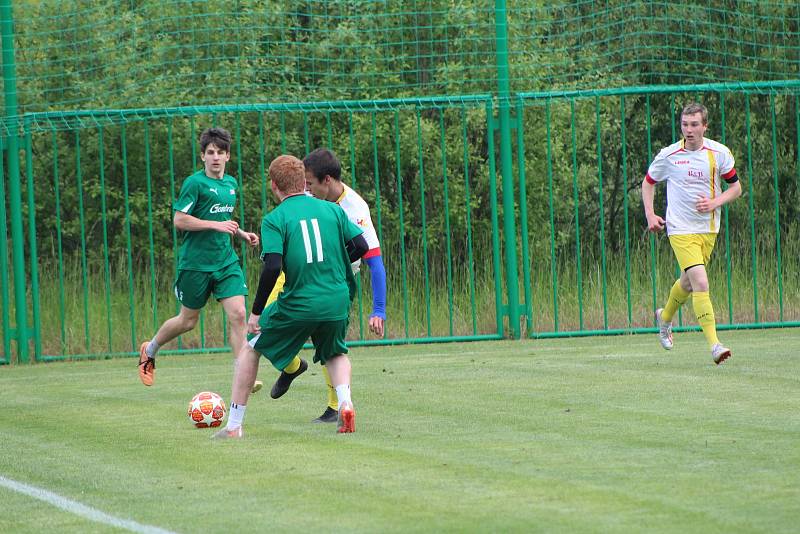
pixel 34 262
pixel 14 189
pixel 504 114
pixel 5 298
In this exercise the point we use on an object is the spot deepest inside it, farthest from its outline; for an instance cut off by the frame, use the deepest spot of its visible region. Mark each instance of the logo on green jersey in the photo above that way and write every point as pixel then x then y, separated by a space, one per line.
pixel 221 208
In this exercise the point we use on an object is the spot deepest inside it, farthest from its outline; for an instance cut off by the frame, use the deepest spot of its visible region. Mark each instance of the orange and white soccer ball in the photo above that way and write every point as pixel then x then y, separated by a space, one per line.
pixel 206 409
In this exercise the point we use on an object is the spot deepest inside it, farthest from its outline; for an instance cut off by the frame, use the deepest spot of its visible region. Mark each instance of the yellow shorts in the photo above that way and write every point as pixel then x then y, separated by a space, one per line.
pixel 277 289
pixel 692 249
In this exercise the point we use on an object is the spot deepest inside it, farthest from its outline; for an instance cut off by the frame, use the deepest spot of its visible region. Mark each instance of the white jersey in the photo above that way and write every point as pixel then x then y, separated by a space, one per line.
pixel 691 175
pixel 358 212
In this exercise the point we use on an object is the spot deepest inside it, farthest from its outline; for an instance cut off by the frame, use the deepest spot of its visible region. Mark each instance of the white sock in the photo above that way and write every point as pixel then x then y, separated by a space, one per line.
pixel 236 416
pixel 343 394
pixel 152 348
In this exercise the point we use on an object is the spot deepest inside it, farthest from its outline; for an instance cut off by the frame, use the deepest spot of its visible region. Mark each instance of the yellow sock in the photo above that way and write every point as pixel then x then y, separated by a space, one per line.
pixel 677 297
pixel 704 311
pixel 333 400
pixel 293 366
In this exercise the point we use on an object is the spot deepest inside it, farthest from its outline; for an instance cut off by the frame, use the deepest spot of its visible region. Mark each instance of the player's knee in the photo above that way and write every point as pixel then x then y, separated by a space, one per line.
pixel 189 322
pixel 701 285
pixel 236 316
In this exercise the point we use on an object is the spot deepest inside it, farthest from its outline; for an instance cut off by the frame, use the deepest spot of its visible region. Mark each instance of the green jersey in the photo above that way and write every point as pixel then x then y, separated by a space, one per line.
pixel 311 234
pixel 209 199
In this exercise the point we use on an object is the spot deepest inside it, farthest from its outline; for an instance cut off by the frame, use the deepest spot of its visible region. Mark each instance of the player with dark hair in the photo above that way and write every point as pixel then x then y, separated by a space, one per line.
pixel 324 181
pixel 207 262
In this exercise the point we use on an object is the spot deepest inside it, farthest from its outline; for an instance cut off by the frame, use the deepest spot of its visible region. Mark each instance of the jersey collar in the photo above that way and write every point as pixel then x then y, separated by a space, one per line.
pixel 341 197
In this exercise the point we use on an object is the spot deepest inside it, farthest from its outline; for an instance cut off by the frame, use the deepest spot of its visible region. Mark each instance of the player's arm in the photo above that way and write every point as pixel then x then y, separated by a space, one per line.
pixel 190 223
pixel 377 271
pixel 378 275
pixel 654 222
pixel 248 237
pixel 270 271
pixel 733 191
pixel 356 247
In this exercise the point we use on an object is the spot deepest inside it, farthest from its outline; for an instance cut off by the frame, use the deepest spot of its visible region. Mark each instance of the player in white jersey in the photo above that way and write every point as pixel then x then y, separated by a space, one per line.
pixel 324 181
pixel 693 169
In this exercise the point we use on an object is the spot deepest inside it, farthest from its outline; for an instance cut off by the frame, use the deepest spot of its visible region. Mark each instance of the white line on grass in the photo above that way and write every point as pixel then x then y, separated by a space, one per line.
pixel 78 508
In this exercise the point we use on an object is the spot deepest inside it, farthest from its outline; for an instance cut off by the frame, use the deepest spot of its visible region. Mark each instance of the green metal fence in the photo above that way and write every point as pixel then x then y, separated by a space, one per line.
pixel 102 249
pixel 501 214
pixel 591 267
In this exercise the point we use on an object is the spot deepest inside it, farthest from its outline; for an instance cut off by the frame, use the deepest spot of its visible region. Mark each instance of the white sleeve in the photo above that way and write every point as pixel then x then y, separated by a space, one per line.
pixel 727 163
pixel 659 169
pixel 359 215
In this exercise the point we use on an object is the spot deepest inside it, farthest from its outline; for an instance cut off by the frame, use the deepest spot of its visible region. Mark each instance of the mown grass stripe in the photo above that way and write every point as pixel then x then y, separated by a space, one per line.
pixel 77 508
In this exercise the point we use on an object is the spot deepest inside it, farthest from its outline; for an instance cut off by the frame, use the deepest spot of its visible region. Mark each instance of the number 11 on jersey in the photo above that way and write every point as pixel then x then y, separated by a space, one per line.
pixel 307 240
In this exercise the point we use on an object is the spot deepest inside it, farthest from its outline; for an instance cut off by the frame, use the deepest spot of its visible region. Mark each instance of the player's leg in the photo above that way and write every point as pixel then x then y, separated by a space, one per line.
pixel 331 349
pixel 237 325
pixel 244 374
pixel 295 368
pixel 172 328
pixel 185 321
pixel 701 301
pixel 679 293
pixel 237 328
pixel 704 311
pixel 688 253
pixel 192 289
pixel 340 371
pixel 280 340
pixel 331 413
pixel 230 289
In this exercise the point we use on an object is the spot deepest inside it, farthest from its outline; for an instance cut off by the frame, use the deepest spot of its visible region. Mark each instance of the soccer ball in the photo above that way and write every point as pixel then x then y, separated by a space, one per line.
pixel 206 409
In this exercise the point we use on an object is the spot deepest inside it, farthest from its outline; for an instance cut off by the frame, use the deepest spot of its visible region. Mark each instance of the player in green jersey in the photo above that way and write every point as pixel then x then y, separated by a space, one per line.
pixel 324 181
pixel 313 242
pixel 207 262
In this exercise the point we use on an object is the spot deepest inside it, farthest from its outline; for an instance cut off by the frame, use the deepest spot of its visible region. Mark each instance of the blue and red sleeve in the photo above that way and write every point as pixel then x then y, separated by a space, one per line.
pixel 377 272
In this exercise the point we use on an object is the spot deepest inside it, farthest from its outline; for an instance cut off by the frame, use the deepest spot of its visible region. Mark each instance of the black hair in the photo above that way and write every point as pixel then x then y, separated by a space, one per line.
pixel 218 136
pixel 322 162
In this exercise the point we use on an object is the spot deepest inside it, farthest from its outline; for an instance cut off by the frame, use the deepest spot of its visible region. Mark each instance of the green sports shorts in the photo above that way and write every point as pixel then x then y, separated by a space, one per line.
pixel 282 337
pixel 192 288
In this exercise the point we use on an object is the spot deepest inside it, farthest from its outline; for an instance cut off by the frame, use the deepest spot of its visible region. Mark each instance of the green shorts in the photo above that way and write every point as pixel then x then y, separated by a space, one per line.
pixel 194 287
pixel 282 337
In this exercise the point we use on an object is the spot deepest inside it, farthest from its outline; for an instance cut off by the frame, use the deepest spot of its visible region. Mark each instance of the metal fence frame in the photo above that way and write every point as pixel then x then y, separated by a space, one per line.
pixel 48 124
pixel 17 130
pixel 524 100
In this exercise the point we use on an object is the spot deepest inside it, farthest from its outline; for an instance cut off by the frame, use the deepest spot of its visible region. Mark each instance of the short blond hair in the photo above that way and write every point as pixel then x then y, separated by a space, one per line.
pixel 695 107
pixel 289 174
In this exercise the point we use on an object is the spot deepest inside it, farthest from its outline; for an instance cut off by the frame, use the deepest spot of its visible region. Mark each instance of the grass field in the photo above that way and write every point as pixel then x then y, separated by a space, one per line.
pixel 573 435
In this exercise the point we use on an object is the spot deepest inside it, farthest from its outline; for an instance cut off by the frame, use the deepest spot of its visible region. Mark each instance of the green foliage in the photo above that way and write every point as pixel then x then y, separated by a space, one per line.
pixel 85 54
pixel 401 156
